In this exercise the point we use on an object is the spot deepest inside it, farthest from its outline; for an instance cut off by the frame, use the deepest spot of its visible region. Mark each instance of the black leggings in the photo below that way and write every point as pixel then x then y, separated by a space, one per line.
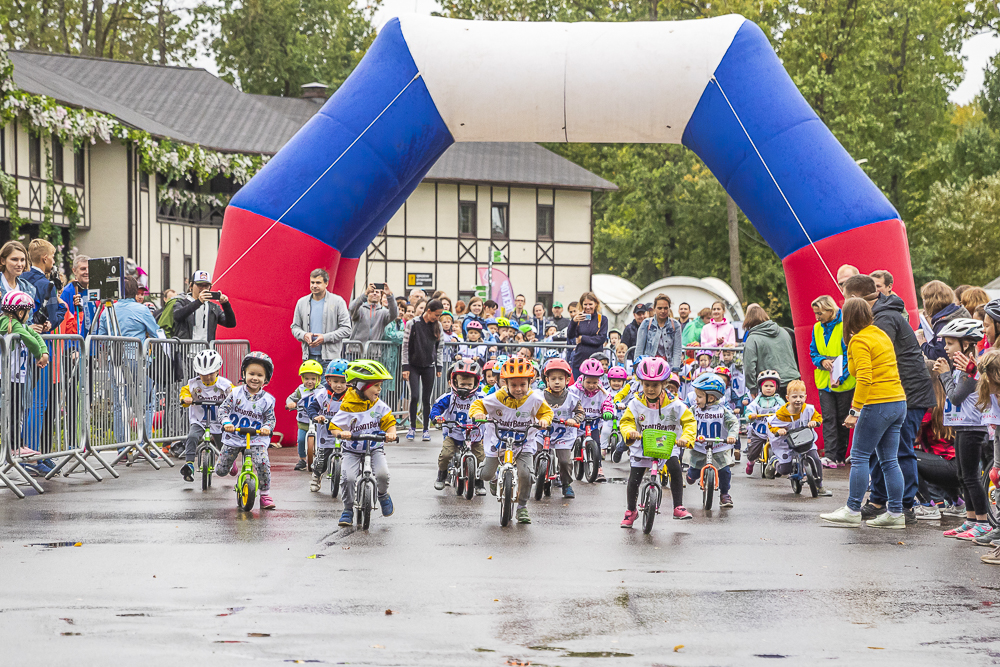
pixel 939 471
pixel 421 393
pixel 969 447
pixel 635 476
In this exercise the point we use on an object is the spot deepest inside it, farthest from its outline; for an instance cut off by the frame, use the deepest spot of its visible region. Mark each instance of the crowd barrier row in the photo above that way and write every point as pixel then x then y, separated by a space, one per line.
pixel 102 394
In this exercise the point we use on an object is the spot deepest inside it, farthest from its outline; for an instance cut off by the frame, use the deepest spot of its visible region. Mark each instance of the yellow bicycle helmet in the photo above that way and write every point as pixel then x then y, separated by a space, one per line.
pixel 367 370
pixel 311 366
pixel 503 322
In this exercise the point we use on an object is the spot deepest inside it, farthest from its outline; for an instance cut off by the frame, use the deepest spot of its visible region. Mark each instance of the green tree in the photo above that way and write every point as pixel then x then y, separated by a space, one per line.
pixel 272 47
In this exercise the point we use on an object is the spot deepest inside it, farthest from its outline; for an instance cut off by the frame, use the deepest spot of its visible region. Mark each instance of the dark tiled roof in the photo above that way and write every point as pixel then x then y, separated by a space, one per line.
pixel 181 103
pixel 513 164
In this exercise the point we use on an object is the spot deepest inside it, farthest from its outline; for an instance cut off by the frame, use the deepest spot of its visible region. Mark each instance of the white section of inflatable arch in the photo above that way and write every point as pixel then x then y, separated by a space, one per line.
pixel 636 82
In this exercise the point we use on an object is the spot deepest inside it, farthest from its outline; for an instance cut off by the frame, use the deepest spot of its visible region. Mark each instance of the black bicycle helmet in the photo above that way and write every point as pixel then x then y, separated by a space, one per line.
pixel 993 310
pixel 258 358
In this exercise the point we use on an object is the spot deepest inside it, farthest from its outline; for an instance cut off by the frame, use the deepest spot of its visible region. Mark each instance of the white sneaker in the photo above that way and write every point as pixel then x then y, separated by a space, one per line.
pixel 886 520
pixel 314 482
pixel 926 513
pixel 843 517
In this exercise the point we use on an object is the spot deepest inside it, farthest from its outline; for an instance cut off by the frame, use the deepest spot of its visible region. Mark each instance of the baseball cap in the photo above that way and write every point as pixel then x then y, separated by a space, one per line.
pixel 557 305
pixel 639 308
pixel 202 277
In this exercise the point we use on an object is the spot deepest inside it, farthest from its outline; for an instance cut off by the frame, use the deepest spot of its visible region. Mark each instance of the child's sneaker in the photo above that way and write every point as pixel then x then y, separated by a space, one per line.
pixel 522 515
pixel 886 520
pixel 480 488
pixel 682 514
pixel 737 454
pixel 600 476
pixel 725 500
pixel 630 517
pixel 750 464
pixel 346 518
pixel 187 472
pixel 235 470
pixel 426 436
pixel 987 539
pixel 927 513
pixel 955 532
pixel 977 530
pixel 823 493
pixel 301 465
pixel 568 492
pixel 386 502
pixel 441 479
pixel 314 482
pixel 266 502
pixel 992 558
pixel 411 434
pixel 771 468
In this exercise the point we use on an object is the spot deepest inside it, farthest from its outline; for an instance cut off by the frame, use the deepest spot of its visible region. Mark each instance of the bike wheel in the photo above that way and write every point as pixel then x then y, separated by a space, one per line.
pixel 507 499
pixel 335 477
pixel 469 470
pixel 992 496
pixel 459 482
pixel 812 478
pixel 796 479
pixel 247 494
pixel 310 451
pixel 207 462
pixel 578 465
pixel 650 501
pixel 613 440
pixel 708 489
pixel 593 460
pixel 541 471
pixel 365 513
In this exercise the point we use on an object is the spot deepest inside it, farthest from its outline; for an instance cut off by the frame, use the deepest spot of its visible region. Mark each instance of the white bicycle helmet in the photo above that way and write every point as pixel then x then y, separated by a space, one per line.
pixel 207 362
pixel 963 328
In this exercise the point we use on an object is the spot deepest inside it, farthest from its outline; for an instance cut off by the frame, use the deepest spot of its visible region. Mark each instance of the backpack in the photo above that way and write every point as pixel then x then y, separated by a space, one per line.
pixel 166 318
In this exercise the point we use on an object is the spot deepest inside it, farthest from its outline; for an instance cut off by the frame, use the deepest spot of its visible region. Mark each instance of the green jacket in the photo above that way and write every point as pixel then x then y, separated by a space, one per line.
pixel 31 340
pixel 692 332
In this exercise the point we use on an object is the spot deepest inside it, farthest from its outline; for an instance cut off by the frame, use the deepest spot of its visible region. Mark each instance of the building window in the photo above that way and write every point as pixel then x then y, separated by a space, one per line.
pixel 546 222
pixel 188 271
pixel 164 273
pixel 467 218
pixel 143 180
pixel 57 160
pixel 34 156
pixel 498 221
pixel 465 296
pixel 79 162
pixel 3 149
pixel 545 298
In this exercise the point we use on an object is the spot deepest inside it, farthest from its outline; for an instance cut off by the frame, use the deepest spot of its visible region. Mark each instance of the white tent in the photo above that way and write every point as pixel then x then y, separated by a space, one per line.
pixel 699 293
pixel 617 295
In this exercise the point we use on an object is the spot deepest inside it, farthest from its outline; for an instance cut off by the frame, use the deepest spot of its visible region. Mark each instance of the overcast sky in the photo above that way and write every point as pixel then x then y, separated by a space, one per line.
pixel 977 50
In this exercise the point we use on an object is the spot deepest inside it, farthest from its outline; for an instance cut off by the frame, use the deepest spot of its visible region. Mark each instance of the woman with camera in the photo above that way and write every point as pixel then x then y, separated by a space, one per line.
pixel 588 330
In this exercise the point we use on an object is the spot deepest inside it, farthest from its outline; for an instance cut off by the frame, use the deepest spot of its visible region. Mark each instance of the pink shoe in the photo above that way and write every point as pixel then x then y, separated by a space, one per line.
pixel 235 469
pixel 630 517
pixel 977 530
pixel 750 465
pixel 682 514
pixel 955 532
pixel 266 502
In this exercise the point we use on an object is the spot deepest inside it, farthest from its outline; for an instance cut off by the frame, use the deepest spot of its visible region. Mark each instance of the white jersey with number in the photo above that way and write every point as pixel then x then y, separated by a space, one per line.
pixel 992 416
pixel 367 420
pixel 711 424
pixel 786 420
pixel 667 418
pixel 593 405
pixel 563 436
pixel 329 406
pixel 513 421
pixel 208 415
pixel 966 414
pixel 245 410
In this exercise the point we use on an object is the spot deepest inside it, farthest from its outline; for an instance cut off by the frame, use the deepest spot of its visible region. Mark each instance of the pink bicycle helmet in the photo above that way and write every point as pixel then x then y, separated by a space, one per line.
pixel 653 369
pixel 617 373
pixel 675 379
pixel 16 300
pixel 592 368
pixel 474 324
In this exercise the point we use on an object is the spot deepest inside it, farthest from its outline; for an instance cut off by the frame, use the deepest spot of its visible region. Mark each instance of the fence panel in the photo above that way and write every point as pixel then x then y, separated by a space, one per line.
pixel 353 349
pixel 395 392
pixel 7 418
pixel 169 366
pixel 232 353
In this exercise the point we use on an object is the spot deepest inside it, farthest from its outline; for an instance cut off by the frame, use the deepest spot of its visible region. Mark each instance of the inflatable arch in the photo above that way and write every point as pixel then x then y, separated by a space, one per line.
pixel 714 85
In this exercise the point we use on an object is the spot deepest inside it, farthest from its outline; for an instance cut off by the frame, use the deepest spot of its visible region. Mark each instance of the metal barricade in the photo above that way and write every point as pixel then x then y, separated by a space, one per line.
pixel 52 424
pixel 232 353
pixel 9 412
pixel 119 405
pixel 453 350
pixel 169 366
pixel 395 392
pixel 352 349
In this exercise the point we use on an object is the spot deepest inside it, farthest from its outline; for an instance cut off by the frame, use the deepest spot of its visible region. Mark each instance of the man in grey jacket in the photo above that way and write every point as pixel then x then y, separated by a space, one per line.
pixel 369 316
pixel 321 320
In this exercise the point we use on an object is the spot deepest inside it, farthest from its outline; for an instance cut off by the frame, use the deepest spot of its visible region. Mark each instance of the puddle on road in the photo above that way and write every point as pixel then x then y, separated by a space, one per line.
pixel 595 654
pixel 54 545
pixel 484 650
pixel 769 655
pixel 129 615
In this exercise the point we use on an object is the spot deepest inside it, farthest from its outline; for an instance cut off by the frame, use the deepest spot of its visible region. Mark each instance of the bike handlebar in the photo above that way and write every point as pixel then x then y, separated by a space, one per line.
pixel 368 437
pixel 248 431
pixel 452 422
pixel 204 402
pixel 702 438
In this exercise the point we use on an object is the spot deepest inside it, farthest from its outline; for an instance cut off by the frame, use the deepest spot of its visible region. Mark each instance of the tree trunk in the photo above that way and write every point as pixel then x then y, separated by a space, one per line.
pixel 161 29
pixel 736 282
pixel 98 28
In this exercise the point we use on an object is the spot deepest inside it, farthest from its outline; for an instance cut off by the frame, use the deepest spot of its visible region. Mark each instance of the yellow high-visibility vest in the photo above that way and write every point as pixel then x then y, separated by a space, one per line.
pixel 833 348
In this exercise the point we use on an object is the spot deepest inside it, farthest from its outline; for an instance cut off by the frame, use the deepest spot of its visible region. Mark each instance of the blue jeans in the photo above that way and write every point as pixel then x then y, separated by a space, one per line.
pixel 877 431
pixel 907 462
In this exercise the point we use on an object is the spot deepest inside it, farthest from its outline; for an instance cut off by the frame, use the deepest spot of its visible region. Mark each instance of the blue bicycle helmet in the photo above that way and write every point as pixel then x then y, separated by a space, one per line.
pixel 711 384
pixel 491 320
pixel 337 367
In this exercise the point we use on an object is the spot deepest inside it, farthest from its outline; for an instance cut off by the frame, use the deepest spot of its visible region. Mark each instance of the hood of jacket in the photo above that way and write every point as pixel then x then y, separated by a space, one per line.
pixel 949 312
pixel 769 328
pixel 887 303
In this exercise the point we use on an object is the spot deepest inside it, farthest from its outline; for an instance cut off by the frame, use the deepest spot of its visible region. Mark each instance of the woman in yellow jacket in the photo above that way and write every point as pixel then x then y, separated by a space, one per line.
pixel 876 414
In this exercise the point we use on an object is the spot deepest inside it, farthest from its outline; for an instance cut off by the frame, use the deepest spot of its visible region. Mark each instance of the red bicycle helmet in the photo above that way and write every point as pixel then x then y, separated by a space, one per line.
pixel 591 368
pixel 465 367
pixel 557 365
pixel 724 372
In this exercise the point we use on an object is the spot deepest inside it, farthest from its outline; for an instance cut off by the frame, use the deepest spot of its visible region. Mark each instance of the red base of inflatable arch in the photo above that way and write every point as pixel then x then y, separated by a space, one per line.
pixel 881 245
pixel 264 289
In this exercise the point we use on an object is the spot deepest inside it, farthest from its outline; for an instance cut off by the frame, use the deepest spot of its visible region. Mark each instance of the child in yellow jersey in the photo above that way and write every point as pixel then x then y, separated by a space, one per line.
pixel 654 408
pixel 794 414
pixel 516 406
pixel 363 413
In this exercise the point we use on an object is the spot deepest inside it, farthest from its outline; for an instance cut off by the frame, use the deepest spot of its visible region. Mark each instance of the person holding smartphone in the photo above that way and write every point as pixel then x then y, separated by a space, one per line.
pixel 588 331
pixel 368 316
pixel 203 312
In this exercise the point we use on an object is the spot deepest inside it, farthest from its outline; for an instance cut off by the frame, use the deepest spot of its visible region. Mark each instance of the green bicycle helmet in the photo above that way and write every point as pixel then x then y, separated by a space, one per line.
pixel 367 370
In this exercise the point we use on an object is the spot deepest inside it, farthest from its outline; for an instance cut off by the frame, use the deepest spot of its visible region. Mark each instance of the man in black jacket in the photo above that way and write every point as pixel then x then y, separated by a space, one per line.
pixel 200 317
pixel 889 313
pixel 632 328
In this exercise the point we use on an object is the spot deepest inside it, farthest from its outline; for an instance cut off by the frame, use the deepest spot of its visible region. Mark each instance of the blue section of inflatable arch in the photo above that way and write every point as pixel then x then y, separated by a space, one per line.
pixel 828 190
pixel 355 199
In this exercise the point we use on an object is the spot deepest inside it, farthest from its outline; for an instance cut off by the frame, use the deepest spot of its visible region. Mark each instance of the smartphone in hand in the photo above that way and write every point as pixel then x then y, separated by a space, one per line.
pixel 379 286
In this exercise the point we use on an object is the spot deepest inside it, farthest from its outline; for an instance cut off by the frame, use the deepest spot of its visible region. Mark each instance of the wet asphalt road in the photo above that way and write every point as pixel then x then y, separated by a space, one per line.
pixel 168 574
